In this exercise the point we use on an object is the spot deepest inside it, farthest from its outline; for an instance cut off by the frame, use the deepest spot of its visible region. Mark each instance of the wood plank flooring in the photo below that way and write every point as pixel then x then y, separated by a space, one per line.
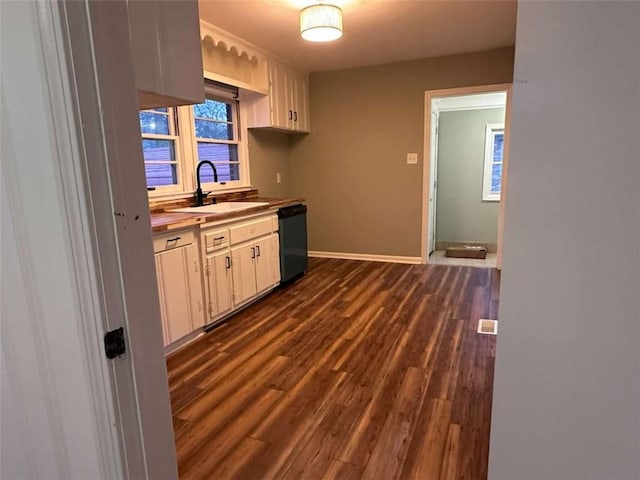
pixel 360 370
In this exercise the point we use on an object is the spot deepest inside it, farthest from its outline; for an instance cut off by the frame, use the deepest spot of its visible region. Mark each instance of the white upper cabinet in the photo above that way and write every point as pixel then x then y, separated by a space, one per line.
pixel 167 58
pixel 273 94
pixel 287 105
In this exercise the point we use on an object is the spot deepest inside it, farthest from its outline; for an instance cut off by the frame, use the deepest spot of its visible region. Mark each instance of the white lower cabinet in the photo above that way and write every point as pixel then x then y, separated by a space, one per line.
pixel 218 282
pixel 253 268
pixel 242 261
pixel 244 272
pixel 179 285
pixel 264 262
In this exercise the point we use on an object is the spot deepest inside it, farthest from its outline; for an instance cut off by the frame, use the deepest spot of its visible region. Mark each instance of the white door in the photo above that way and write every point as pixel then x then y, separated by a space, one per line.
pixel 244 272
pixel 303 104
pixel 264 265
pixel 192 257
pixel 433 182
pixel 275 257
pixel 277 97
pixel 221 278
pixel 163 313
pixel 181 303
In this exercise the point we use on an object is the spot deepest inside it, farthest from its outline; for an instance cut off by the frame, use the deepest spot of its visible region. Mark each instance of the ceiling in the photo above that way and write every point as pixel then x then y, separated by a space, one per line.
pixel 375 31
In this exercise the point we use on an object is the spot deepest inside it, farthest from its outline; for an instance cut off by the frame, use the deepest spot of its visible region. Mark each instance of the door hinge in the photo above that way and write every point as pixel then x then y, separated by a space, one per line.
pixel 206 270
pixel 114 344
pixel 210 310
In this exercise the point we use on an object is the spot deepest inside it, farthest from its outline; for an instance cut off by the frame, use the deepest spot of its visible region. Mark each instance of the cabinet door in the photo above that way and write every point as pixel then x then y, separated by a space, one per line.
pixel 278 97
pixel 195 286
pixel 243 270
pixel 275 257
pixel 166 51
pixel 180 291
pixel 265 275
pixel 302 104
pixel 221 276
pixel 163 312
pixel 291 100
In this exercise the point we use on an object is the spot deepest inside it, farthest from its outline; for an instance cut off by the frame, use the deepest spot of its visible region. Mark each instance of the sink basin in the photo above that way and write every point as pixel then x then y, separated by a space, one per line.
pixel 223 207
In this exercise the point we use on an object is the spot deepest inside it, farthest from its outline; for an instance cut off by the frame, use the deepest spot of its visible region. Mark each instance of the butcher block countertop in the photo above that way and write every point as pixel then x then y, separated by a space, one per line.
pixel 165 221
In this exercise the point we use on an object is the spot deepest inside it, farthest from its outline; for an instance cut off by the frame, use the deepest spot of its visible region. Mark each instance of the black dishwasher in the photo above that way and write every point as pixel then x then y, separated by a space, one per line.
pixel 292 225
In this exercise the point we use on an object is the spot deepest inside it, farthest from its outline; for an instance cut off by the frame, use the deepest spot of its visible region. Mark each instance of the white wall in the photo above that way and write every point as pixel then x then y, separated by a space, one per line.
pixel 567 384
pixel 52 426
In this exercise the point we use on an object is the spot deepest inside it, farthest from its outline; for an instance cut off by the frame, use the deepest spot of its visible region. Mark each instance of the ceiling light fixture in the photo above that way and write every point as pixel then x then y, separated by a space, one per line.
pixel 321 23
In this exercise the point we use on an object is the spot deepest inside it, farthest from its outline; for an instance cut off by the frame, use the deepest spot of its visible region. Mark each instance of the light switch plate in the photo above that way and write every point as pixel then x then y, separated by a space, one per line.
pixel 412 158
pixel 278 178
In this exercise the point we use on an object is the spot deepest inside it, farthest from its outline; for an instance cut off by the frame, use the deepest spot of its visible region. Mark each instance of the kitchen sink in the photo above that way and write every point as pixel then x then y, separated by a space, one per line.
pixel 222 207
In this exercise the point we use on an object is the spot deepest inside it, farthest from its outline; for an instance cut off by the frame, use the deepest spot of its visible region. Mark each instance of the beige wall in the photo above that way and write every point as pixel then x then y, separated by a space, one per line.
pixel 362 196
pixel 462 215
pixel 269 154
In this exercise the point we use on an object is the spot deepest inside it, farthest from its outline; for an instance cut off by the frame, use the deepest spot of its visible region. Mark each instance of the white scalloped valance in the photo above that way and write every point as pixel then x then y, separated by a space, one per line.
pixel 232 60
pixel 230 48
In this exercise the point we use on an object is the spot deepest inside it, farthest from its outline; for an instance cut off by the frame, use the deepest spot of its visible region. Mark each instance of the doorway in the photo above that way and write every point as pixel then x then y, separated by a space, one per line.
pixel 464 179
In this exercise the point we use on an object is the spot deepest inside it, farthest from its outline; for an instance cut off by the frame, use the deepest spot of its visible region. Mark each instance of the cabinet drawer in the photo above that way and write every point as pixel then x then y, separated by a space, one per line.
pixel 167 241
pixel 247 231
pixel 216 240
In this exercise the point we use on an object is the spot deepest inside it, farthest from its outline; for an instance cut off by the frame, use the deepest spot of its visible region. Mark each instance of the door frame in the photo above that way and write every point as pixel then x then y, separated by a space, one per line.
pixel 431 229
pixel 99 94
pixel 429 96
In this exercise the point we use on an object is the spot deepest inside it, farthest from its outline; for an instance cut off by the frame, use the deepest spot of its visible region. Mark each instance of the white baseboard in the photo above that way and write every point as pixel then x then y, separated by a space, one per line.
pixel 367 257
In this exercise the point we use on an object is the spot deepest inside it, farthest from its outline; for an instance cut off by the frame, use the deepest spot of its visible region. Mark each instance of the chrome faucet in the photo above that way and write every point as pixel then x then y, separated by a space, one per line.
pixel 199 195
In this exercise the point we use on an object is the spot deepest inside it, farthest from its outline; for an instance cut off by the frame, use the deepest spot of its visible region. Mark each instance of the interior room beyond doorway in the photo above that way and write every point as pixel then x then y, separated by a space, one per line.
pixel 466 138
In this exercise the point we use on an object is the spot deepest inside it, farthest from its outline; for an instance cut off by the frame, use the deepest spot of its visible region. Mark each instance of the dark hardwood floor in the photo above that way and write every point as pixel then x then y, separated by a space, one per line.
pixel 359 370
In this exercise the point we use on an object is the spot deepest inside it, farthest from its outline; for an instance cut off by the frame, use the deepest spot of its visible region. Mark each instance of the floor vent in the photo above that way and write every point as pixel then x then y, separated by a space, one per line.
pixel 488 327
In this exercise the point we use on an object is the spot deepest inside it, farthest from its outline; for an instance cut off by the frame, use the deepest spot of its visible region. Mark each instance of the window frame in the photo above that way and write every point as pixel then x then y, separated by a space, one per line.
pixel 238 137
pixel 492 129
pixel 186 153
pixel 173 136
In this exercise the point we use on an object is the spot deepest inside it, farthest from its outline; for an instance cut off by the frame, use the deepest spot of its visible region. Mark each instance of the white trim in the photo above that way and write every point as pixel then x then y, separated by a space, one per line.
pixel 367 257
pixel 481 101
pixel 429 96
pixel 57 390
pixel 491 130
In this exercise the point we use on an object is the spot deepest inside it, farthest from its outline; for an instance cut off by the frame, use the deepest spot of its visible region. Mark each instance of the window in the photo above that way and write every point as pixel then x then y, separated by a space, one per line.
pixel 493 155
pixel 175 140
pixel 216 132
pixel 159 148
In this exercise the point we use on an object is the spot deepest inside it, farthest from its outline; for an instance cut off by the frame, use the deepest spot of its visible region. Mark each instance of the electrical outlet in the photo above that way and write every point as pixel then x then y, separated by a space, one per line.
pixel 278 178
pixel 412 158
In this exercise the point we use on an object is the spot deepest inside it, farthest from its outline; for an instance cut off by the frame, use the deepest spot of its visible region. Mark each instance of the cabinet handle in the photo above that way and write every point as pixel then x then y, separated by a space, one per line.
pixel 215 239
pixel 290 114
pixel 174 239
pixel 227 261
pixel 253 252
pixel 295 116
pixel 258 249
